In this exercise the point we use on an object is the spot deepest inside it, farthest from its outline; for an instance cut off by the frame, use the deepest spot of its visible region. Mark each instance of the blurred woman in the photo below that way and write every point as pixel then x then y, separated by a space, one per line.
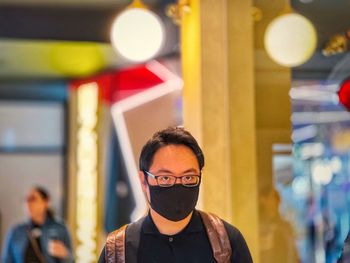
pixel 40 240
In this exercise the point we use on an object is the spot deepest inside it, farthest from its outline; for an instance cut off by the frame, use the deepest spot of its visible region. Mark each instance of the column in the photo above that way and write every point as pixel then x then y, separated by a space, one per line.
pixel 219 108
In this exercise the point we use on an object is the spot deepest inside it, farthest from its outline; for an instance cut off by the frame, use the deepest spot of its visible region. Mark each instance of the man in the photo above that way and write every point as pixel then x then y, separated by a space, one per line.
pixel 174 231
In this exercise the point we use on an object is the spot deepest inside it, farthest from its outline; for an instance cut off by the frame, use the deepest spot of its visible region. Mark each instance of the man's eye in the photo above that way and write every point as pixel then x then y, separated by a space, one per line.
pixel 189 178
pixel 164 178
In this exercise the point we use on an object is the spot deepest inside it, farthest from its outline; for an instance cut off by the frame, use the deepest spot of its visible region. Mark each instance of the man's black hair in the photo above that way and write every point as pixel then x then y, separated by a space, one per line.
pixel 169 136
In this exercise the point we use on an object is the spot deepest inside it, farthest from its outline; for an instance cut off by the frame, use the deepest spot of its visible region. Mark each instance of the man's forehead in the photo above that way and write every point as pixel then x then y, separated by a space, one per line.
pixel 171 148
pixel 174 158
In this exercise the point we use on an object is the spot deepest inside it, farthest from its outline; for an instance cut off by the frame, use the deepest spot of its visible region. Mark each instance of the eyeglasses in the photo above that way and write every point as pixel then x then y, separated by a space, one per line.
pixel 190 180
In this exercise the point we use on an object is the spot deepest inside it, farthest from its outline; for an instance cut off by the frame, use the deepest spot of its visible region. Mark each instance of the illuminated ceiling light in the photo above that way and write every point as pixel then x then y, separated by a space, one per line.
pixel 290 39
pixel 137 33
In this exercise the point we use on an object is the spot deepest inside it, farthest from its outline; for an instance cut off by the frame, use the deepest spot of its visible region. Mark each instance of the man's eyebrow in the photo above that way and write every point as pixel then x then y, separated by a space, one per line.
pixel 191 170
pixel 164 170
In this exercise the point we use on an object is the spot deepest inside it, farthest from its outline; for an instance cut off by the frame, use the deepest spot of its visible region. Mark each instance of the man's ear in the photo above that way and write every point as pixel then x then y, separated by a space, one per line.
pixel 143 180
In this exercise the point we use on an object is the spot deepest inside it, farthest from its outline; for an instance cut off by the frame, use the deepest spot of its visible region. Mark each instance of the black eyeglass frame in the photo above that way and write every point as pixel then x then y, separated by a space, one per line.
pixel 147 173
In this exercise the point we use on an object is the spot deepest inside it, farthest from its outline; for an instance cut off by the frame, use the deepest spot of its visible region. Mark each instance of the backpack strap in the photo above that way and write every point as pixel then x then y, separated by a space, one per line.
pixel 133 234
pixel 218 237
pixel 115 251
pixel 115 246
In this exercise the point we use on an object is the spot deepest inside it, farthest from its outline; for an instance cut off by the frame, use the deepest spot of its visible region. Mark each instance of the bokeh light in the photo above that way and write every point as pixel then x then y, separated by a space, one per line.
pixel 290 39
pixel 137 34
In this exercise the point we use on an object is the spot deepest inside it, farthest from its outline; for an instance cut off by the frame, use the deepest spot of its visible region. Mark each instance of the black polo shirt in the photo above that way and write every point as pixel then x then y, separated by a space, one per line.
pixel 191 245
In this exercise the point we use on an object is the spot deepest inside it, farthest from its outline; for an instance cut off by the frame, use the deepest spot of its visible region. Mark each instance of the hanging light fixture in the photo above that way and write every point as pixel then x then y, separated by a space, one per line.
pixel 290 39
pixel 137 33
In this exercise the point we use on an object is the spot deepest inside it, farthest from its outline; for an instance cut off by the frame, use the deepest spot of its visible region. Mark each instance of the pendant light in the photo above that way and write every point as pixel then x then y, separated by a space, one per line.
pixel 137 34
pixel 290 39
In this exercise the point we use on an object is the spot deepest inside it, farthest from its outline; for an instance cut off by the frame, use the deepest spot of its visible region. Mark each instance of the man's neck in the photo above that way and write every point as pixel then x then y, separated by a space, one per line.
pixel 168 227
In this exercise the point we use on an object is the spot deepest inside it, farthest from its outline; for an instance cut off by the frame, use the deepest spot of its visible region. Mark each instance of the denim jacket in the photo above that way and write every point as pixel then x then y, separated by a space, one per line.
pixel 345 256
pixel 17 242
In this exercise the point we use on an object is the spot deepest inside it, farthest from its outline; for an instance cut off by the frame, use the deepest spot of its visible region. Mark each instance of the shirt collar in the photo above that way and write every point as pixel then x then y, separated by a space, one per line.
pixel 195 225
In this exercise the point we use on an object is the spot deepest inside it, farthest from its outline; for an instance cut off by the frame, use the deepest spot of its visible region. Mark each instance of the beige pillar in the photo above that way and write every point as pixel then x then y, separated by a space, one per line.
pixel 273 112
pixel 272 84
pixel 217 56
pixel 243 119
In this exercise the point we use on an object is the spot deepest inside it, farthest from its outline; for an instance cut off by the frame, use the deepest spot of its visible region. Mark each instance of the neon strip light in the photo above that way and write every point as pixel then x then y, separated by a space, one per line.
pixel 171 84
pixel 87 173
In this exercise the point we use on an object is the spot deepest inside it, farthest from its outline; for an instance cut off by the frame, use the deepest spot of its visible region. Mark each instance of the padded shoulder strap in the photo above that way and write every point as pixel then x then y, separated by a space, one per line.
pixel 218 237
pixel 133 236
pixel 118 240
pixel 115 246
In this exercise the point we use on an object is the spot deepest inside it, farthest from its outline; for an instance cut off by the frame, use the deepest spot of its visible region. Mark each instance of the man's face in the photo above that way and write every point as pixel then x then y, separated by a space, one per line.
pixel 176 160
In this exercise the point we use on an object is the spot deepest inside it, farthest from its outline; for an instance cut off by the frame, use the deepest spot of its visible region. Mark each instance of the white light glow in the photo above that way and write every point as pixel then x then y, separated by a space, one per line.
pixel 314 95
pixel 290 39
pixel 301 186
pixel 304 133
pixel 321 173
pixel 87 156
pixel 336 164
pixel 311 150
pixel 137 34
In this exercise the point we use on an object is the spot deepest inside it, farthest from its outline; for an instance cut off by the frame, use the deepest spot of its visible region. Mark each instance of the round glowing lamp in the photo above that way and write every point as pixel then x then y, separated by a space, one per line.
pixel 290 39
pixel 137 34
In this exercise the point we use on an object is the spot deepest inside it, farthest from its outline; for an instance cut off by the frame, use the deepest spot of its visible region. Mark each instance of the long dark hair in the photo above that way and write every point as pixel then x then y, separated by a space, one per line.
pixel 46 196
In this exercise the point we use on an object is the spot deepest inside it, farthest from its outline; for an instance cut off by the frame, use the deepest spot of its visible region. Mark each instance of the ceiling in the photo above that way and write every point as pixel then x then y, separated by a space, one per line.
pixel 46 39
pixel 32 31
pixel 329 18
pixel 65 2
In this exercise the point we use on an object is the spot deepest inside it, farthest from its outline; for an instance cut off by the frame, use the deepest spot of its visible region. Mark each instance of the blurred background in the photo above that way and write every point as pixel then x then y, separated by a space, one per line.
pixel 263 85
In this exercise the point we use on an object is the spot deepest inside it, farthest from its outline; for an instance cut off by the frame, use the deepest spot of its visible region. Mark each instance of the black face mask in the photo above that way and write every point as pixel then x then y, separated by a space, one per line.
pixel 174 203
